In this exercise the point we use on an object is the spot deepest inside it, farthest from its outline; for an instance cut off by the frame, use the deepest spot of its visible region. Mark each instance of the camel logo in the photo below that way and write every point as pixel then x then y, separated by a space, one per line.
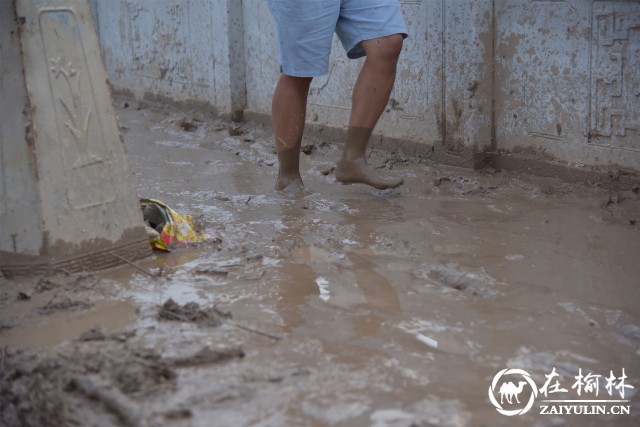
pixel 510 391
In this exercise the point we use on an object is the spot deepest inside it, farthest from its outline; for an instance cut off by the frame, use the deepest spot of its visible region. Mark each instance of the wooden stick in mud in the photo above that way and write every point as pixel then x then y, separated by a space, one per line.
pixel 121 258
pixel 246 328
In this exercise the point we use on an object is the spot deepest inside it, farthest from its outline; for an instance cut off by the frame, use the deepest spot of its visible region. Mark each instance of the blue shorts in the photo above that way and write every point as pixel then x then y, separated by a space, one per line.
pixel 304 30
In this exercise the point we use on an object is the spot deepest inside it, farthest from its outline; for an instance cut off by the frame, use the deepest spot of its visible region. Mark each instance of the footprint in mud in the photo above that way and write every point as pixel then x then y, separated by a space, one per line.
pixel 475 283
pixel 328 206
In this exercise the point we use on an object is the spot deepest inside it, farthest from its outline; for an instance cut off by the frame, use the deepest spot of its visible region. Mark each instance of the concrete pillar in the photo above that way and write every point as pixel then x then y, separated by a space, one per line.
pixel 67 199
pixel 468 35
pixel 237 66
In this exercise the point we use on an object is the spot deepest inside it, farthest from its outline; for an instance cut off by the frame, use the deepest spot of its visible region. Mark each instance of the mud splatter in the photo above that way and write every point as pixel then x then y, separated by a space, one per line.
pixel 191 312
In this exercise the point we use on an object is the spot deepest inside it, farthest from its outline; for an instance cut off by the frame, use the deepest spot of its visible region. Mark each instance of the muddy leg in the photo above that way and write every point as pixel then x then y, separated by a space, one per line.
pixel 289 109
pixel 370 96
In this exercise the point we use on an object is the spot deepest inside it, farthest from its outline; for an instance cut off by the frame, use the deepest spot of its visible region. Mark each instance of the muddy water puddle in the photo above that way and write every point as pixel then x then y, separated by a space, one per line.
pixel 352 307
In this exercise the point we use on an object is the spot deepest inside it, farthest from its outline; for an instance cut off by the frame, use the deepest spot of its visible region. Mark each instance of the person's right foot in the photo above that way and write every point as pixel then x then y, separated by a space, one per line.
pixel 358 171
pixel 289 180
pixel 291 186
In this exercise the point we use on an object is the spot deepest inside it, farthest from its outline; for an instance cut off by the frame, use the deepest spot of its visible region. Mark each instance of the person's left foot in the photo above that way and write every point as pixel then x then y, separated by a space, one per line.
pixel 358 171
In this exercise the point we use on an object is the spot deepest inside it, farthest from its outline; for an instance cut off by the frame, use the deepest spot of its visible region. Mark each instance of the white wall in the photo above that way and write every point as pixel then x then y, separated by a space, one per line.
pixel 560 79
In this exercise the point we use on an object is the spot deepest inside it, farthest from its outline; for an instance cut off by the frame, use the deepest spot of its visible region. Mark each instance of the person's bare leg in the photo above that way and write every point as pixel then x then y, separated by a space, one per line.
pixel 370 96
pixel 288 111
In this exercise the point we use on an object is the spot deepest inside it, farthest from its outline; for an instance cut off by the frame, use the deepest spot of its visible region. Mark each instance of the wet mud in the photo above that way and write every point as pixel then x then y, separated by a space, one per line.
pixel 346 307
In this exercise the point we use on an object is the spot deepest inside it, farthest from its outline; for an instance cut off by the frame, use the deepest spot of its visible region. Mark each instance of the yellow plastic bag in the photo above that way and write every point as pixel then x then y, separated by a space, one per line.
pixel 173 229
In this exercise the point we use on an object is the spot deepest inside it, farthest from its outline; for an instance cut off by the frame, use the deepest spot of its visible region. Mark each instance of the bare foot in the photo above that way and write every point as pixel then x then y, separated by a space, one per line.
pixel 291 186
pixel 358 171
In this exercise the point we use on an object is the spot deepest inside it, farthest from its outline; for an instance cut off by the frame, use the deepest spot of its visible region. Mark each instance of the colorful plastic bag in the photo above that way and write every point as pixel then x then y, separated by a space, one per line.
pixel 174 230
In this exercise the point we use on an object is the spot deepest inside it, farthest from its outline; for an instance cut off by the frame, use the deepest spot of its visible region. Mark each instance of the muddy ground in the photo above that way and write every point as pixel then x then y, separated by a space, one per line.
pixel 347 307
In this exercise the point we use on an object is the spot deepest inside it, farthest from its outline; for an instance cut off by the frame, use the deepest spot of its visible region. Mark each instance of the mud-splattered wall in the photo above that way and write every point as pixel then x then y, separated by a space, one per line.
pixel 568 79
pixel 557 78
pixel 186 50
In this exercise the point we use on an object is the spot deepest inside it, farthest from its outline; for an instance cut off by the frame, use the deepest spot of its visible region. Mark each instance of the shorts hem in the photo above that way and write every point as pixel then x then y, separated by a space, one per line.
pixel 356 51
pixel 301 73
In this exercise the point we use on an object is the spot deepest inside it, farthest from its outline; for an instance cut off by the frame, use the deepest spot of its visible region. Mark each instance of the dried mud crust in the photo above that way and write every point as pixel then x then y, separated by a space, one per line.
pixel 51 390
pixel 99 378
pixel 97 375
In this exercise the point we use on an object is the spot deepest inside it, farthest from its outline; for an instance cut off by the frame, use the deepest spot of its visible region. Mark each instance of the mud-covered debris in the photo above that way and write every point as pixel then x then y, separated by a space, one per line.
pixel 84 281
pixel 179 413
pixel 618 197
pixel 308 149
pixel 44 285
pixel 235 130
pixel 267 161
pixel 438 181
pixel 624 205
pixel 191 312
pixel 481 190
pixel 206 222
pixel 491 171
pixel 24 295
pixel 128 412
pixel 326 170
pixel 254 257
pixel 122 336
pixel 475 283
pixel 94 334
pixel 211 271
pixel 30 392
pixel 275 376
pixel 208 356
pixel 221 267
pixel 189 125
pixel 137 378
pixel 60 303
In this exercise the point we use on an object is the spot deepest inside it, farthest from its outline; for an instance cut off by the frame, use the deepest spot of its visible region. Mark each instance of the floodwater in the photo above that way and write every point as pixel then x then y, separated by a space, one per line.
pixel 351 307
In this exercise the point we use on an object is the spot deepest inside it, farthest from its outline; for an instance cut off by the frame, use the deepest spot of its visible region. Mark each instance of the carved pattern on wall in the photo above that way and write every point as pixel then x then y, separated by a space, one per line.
pixel 615 80
pixel 80 138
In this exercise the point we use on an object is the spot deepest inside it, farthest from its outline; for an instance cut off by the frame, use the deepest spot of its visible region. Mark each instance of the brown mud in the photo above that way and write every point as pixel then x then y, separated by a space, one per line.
pixel 351 306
